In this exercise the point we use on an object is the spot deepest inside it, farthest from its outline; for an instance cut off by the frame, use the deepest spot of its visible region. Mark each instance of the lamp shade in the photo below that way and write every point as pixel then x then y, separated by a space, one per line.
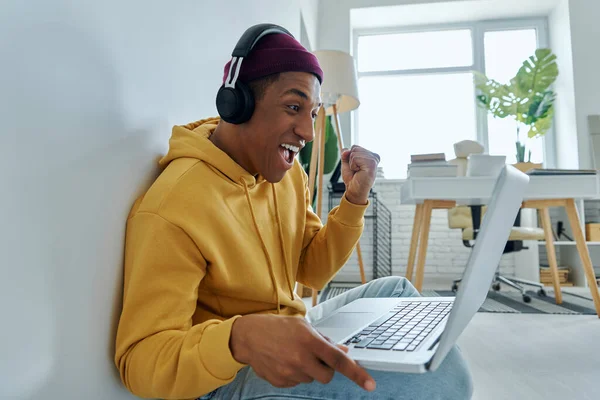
pixel 340 84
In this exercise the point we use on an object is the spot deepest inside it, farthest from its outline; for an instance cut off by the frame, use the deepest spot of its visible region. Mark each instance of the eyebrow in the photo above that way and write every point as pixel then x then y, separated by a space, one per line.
pixel 299 93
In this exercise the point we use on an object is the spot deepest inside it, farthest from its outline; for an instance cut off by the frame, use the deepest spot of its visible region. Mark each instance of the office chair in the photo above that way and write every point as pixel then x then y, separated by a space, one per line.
pixel 468 219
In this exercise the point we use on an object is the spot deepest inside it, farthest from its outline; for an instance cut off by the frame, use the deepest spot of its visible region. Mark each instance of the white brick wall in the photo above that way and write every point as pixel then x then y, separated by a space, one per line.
pixel 446 254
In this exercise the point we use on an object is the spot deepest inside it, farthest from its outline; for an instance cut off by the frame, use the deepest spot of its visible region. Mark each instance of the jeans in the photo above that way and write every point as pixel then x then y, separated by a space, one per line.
pixel 451 381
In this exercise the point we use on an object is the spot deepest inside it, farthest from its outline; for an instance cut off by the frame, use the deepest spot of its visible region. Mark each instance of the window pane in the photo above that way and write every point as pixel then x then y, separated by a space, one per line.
pixel 505 52
pixel 415 50
pixel 404 115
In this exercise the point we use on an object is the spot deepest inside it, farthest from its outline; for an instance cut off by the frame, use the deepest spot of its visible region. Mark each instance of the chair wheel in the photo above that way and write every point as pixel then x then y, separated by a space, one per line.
pixel 541 293
pixel 496 287
pixel 454 287
pixel 526 298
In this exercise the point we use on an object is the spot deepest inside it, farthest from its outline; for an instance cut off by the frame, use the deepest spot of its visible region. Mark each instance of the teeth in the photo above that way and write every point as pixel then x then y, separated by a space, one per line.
pixel 295 149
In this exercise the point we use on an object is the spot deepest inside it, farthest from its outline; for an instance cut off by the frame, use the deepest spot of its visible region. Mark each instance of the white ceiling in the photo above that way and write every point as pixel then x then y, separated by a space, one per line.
pixel 448 12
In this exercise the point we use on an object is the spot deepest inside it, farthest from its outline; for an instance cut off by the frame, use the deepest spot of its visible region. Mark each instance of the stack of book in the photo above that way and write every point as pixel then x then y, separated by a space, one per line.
pixel 430 165
pixel 563 276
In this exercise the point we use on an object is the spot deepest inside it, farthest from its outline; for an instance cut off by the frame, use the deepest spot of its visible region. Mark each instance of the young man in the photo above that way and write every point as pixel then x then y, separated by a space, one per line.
pixel 215 246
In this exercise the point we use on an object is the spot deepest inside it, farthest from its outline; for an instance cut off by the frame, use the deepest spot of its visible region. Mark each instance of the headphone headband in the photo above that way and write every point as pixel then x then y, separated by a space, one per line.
pixel 253 35
pixel 244 47
pixel 235 101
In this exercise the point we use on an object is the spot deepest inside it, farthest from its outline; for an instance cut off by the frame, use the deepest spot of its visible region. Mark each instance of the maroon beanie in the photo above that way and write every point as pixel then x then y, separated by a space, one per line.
pixel 274 53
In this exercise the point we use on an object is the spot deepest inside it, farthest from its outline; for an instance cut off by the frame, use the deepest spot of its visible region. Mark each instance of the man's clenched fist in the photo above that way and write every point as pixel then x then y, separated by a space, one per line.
pixel 359 168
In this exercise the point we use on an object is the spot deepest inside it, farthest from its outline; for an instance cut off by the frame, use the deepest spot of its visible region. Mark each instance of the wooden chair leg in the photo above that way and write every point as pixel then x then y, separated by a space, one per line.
pixel 414 241
pixel 551 252
pixel 424 238
pixel 361 265
pixel 583 251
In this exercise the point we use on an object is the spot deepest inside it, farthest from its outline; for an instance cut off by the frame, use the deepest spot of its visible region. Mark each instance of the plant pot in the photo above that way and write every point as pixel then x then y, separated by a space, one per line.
pixel 526 166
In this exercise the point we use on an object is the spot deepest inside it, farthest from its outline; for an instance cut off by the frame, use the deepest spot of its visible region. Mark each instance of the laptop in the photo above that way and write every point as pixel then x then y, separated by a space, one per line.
pixel 415 334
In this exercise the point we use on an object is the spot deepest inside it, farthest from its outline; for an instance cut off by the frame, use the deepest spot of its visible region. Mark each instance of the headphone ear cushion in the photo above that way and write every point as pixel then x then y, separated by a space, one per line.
pixel 227 103
pixel 235 105
pixel 247 103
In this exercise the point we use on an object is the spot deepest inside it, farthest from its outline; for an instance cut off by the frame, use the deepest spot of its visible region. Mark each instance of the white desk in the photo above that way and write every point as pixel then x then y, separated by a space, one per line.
pixel 472 190
pixel 543 192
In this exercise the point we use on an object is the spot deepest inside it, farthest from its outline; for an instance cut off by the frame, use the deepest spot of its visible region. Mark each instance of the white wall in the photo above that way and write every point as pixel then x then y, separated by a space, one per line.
pixel 585 36
pixel 88 94
pixel 565 120
pixel 310 16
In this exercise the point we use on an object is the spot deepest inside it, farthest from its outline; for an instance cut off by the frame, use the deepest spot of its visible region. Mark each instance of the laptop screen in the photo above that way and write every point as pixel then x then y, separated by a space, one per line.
pixel 505 202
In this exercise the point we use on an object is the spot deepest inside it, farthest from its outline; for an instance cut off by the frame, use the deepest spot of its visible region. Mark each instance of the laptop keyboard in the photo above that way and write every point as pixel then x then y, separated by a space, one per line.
pixel 403 328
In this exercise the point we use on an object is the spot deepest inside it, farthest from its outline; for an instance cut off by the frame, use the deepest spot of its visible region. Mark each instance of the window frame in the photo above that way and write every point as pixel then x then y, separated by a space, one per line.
pixel 478 29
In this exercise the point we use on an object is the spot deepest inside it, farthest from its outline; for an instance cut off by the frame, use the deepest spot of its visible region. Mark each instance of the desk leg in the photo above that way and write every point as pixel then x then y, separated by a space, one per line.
pixel 424 238
pixel 583 252
pixel 551 252
pixel 414 241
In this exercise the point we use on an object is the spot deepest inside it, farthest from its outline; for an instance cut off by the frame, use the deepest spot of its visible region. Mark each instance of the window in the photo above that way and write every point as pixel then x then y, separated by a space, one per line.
pixel 417 93
pixel 444 49
pixel 504 54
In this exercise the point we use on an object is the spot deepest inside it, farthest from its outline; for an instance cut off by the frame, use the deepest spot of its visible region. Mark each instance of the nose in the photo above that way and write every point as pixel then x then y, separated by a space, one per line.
pixel 305 129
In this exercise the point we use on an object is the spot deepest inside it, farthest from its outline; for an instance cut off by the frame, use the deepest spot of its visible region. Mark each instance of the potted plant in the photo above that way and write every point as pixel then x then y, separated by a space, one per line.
pixel 527 99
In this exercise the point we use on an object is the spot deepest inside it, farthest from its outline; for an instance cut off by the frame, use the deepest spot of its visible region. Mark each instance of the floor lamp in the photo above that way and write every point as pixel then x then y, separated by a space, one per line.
pixel 339 93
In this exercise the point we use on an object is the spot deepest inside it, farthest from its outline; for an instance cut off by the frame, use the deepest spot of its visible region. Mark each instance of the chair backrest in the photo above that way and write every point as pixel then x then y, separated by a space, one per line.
pixel 460 217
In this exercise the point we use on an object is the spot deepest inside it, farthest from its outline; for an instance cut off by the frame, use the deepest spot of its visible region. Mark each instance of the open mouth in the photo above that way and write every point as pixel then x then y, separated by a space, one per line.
pixel 288 152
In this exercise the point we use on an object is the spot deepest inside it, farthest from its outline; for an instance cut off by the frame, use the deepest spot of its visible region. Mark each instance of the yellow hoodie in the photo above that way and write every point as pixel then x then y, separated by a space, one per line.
pixel 206 244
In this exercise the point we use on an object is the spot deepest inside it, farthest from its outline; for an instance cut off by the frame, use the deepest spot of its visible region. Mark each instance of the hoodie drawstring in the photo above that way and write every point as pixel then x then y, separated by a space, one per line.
pixel 285 260
pixel 264 247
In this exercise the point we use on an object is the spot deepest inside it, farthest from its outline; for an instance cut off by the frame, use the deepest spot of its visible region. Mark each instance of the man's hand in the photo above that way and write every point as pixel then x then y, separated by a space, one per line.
pixel 286 351
pixel 359 168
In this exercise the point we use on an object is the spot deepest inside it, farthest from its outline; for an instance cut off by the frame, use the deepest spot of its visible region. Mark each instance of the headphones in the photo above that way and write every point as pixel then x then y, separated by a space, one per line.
pixel 235 101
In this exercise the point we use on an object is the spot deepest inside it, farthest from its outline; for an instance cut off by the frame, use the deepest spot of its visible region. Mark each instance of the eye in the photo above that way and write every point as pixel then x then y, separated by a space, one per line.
pixel 294 107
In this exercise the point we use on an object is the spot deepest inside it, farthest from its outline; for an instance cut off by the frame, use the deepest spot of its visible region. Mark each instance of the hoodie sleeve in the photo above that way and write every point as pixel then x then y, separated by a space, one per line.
pixel 325 249
pixel 158 352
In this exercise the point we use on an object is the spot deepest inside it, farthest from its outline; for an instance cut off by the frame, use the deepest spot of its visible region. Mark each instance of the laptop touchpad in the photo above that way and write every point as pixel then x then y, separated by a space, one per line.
pixel 341 324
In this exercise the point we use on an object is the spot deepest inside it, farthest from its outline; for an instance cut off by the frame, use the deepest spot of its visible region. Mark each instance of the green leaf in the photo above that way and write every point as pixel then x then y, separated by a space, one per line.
pixel 541 126
pixel 540 106
pixel 538 72
pixel 492 95
pixel 526 98
pixel 331 148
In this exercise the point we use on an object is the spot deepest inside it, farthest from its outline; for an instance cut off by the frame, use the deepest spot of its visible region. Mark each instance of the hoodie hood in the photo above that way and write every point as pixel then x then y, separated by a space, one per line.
pixel 192 141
